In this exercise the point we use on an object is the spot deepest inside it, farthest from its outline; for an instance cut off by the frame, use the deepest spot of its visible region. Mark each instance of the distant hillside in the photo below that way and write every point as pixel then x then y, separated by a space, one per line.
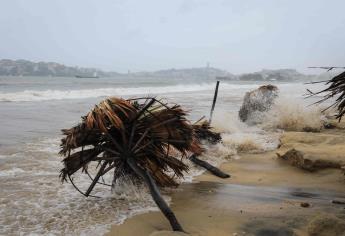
pixel 202 73
pixel 272 75
pixel 29 68
pixel 275 75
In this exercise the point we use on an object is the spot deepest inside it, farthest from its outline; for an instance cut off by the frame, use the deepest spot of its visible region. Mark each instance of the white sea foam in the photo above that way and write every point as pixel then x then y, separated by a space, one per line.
pixel 45 95
pixel 293 115
pixel 44 206
pixel 11 172
pixel 240 137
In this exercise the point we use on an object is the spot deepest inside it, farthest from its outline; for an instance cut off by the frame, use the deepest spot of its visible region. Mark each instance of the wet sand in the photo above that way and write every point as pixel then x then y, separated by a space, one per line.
pixel 263 196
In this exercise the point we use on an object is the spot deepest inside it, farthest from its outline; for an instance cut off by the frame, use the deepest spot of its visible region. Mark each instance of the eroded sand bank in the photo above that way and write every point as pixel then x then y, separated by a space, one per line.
pixel 264 195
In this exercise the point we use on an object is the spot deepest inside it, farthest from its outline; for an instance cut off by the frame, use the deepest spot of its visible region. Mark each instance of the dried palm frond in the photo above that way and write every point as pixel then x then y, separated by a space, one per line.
pixel 203 131
pixel 336 86
pixel 118 129
pixel 142 138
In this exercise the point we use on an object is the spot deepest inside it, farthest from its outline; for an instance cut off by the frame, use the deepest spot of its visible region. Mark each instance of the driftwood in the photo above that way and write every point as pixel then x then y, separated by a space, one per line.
pixel 214 170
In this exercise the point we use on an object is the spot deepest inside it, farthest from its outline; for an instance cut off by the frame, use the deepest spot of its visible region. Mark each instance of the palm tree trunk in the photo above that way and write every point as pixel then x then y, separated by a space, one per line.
pixel 214 170
pixel 163 206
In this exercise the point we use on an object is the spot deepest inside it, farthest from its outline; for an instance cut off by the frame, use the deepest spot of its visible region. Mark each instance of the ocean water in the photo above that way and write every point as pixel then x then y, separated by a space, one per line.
pixel 33 110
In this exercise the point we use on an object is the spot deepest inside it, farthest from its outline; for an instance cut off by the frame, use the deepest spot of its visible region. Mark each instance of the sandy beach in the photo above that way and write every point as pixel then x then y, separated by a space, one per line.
pixel 264 196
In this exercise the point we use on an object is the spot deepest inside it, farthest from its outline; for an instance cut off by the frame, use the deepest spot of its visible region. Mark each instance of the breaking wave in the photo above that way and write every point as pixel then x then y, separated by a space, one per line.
pixel 238 137
pixel 293 115
pixel 45 95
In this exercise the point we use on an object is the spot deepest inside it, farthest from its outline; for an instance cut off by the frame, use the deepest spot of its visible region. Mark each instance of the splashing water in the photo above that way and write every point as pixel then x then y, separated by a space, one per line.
pixel 292 115
pixel 240 137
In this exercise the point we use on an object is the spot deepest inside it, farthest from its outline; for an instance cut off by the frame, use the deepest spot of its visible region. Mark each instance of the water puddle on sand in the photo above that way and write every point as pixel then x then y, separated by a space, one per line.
pixel 234 194
pixel 262 211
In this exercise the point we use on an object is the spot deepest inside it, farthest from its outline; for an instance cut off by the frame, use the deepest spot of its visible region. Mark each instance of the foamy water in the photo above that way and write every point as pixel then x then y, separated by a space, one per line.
pixel 49 94
pixel 32 198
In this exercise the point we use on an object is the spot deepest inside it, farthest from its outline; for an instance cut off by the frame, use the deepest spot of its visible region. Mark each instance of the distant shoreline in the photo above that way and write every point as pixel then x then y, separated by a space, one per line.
pixel 25 68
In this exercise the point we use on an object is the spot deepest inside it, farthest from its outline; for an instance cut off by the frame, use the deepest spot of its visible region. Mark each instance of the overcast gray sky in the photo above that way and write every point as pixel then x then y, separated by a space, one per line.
pixel 239 36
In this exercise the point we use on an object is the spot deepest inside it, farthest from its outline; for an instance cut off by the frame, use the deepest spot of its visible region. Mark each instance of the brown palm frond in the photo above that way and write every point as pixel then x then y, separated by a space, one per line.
pixel 203 131
pixel 153 133
pixel 336 87
pixel 78 160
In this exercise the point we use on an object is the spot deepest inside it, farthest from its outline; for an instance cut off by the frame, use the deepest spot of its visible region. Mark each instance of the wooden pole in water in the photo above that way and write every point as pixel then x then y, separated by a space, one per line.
pixel 214 101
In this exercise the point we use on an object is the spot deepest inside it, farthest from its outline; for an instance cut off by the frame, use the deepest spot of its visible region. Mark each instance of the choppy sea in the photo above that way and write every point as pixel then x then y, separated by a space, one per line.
pixel 33 110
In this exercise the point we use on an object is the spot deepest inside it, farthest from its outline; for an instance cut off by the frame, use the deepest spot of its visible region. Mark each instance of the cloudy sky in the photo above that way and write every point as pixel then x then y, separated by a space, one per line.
pixel 238 36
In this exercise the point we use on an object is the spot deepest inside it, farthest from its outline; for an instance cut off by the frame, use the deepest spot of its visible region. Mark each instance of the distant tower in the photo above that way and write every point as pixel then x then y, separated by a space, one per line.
pixel 129 71
pixel 207 71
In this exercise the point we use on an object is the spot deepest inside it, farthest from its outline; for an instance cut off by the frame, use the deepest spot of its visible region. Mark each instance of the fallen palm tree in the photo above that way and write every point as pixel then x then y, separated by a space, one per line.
pixel 336 87
pixel 143 139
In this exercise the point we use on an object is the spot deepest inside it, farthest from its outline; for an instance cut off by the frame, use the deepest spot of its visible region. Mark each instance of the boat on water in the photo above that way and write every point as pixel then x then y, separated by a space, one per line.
pixel 83 76
pixel 95 76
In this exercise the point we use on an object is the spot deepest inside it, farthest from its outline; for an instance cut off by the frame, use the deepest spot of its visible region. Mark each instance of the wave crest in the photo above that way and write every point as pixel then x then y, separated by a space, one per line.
pixel 50 94
pixel 293 115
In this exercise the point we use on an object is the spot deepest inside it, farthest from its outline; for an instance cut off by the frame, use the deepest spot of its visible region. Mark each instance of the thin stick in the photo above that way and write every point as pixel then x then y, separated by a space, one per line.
pixel 98 181
pixel 75 186
pixel 95 180
pixel 214 102
pixel 199 120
